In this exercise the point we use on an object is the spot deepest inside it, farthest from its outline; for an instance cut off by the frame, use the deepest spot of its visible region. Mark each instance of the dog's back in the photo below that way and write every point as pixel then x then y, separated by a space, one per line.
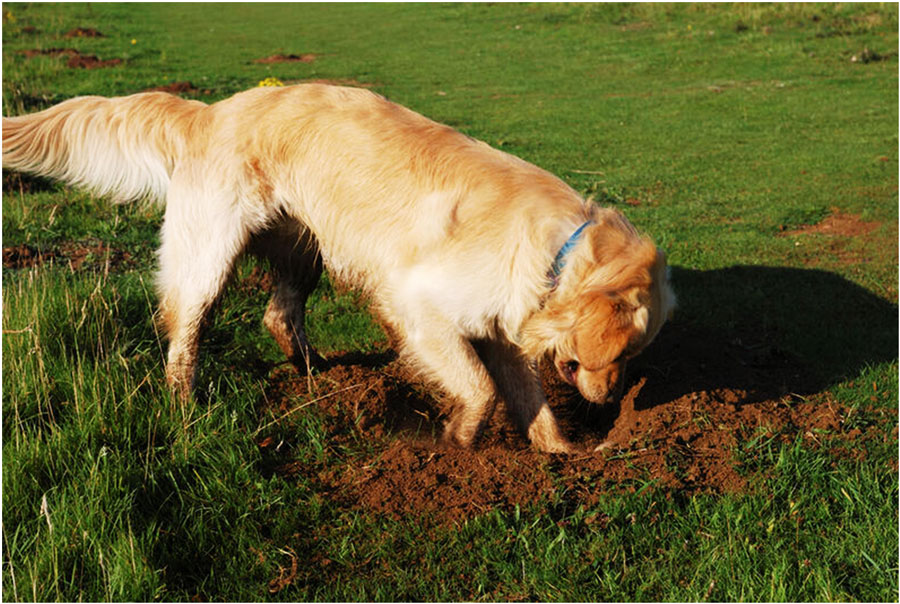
pixel 355 167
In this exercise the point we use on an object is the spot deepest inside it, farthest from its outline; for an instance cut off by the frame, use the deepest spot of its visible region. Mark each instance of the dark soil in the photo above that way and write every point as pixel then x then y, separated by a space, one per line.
pixel 19 182
pixel 175 88
pixel 76 255
pixel 340 82
pixel 837 236
pixel 837 223
pixel 76 59
pixel 90 62
pixel 83 32
pixel 693 401
pixel 49 52
pixel 24 256
pixel 304 58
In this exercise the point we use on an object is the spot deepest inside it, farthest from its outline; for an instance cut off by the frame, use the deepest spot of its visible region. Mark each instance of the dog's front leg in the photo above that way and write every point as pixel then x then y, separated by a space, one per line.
pixel 447 357
pixel 518 383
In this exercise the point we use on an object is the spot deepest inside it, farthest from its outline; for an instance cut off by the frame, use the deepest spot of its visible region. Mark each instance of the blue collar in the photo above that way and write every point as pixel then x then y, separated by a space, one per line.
pixel 560 261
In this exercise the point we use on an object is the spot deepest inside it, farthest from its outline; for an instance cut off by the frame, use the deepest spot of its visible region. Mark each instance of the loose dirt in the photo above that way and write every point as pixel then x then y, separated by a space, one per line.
pixel 838 238
pixel 304 58
pixel 76 255
pixel 337 82
pixel 693 403
pixel 49 52
pixel 23 256
pixel 76 59
pixel 184 87
pixel 83 32
pixel 21 183
pixel 837 223
pixel 90 62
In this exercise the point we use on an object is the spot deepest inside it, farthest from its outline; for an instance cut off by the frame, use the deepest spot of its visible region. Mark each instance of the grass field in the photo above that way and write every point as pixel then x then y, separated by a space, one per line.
pixel 757 144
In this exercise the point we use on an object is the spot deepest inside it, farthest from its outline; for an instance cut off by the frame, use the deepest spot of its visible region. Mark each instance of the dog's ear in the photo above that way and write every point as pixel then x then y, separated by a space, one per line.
pixel 612 235
pixel 605 326
pixel 549 331
pixel 621 258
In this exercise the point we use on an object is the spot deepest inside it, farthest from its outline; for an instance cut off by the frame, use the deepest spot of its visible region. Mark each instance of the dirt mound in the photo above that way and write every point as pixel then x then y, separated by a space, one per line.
pixel 671 431
pixel 340 82
pixel 48 52
pixel 177 88
pixel 76 255
pixel 23 256
pixel 19 182
pixel 183 88
pixel 838 235
pixel 76 59
pixel 837 223
pixel 90 62
pixel 83 32
pixel 304 58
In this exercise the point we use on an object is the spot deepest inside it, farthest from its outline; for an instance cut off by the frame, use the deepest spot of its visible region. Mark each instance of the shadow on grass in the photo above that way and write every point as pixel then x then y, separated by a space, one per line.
pixel 19 182
pixel 765 332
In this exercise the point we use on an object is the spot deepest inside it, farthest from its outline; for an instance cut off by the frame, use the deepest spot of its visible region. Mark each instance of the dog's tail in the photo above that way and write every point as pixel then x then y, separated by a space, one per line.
pixel 126 147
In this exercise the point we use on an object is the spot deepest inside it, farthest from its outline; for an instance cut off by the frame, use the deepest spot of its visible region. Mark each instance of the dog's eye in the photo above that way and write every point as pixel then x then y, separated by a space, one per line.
pixel 572 367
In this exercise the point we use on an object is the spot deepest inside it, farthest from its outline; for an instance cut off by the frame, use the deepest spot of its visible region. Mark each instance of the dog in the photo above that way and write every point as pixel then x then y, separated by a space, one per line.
pixel 480 263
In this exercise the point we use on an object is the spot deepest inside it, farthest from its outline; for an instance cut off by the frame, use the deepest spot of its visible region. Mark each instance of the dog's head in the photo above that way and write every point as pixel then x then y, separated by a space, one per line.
pixel 612 299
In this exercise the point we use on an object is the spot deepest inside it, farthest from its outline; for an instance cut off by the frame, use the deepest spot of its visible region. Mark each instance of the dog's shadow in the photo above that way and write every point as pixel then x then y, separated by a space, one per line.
pixel 764 332
pixel 752 333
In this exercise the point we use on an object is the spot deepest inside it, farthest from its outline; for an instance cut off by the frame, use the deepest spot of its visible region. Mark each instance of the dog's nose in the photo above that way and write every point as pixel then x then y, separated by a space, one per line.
pixel 568 371
pixel 604 386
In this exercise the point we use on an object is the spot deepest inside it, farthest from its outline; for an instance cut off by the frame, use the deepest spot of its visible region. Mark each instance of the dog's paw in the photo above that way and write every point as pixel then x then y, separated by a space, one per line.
pixel 606 445
pixel 557 445
pixel 457 435
pixel 311 360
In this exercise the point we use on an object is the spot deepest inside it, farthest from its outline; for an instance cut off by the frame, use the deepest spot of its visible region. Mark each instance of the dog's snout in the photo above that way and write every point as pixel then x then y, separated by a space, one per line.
pixel 603 386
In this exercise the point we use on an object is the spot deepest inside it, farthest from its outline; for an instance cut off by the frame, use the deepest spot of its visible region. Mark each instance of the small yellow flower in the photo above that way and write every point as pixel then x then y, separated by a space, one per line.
pixel 133 41
pixel 270 81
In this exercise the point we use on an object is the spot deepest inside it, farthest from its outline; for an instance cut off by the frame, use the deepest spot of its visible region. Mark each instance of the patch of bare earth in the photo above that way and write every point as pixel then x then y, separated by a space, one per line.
pixel 837 223
pixel 23 256
pixel 75 255
pixel 76 59
pixel 83 32
pixel 175 88
pixel 21 183
pixel 334 82
pixel 90 62
pixel 693 400
pixel 290 58
pixel 840 234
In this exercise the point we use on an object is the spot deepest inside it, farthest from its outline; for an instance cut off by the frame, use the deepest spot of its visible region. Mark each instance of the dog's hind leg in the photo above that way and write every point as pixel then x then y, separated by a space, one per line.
pixel 520 387
pixel 293 255
pixel 202 236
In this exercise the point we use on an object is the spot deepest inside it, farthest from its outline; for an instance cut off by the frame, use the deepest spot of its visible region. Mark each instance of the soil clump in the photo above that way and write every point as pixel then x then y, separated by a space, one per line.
pixel 694 409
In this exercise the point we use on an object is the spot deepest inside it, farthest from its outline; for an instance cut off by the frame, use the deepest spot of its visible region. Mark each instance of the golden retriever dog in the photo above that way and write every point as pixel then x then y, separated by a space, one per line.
pixel 479 262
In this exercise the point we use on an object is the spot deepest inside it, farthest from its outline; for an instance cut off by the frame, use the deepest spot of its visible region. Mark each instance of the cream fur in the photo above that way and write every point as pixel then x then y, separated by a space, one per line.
pixel 450 238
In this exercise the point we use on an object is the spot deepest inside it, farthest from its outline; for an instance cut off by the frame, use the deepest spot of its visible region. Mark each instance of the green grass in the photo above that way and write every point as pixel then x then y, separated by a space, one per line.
pixel 714 128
